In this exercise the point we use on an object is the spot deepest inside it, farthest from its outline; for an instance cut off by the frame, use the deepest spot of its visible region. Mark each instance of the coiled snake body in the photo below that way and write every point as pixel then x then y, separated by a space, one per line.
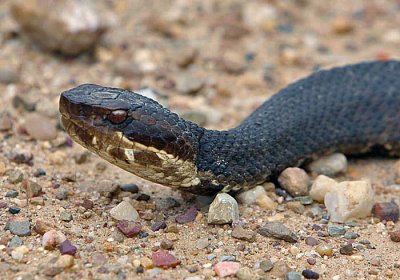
pixel 351 109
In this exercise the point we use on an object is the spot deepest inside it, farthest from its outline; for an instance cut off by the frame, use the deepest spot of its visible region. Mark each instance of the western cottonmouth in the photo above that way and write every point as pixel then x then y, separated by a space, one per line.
pixel 349 109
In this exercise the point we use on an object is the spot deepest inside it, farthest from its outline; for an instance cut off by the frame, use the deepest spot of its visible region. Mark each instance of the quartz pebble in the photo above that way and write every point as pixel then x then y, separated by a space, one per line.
pixel 257 195
pixel 321 186
pixel 19 252
pixel 386 211
pixel 279 231
pixel 349 199
pixel 223 210
pixel 124 211
pixel 164 259
pixel 295 181
pixel 65 261
pixel 70 27
pixel 329 165
pixel 52 239
pixel 324 250
pixel 224 269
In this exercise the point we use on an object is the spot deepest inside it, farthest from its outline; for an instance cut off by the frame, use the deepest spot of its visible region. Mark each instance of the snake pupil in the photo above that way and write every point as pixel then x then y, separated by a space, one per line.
pixel 117 116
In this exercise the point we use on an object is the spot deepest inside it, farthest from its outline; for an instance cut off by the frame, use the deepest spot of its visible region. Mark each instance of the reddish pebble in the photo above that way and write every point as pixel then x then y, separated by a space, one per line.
pixel 311 261
pixel 311 241
pixel 224 269
pixel 187 217
pixel 395 236
pixel 87 204
pixel 386 211
pixel 3 205
pixel 66 248
pixel 164 259
pixel 128 228
pixel 158 225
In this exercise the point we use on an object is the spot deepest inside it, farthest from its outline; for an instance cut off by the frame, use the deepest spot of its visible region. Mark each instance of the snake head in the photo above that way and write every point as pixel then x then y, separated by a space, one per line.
pixel 132 131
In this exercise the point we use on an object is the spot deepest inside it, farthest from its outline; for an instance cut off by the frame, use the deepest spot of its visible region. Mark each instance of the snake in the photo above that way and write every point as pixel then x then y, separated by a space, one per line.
pixel 352 109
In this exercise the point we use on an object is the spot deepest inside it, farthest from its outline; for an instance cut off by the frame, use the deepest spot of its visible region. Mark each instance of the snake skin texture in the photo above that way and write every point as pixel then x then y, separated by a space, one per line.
pixel 350 109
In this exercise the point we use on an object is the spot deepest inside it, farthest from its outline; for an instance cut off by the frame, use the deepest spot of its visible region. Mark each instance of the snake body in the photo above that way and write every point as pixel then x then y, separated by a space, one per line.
pixel 350 109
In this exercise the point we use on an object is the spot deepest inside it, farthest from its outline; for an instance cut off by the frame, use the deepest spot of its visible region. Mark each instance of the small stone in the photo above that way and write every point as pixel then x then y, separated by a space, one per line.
pixel 311 241
pixel 202 243
pixel 69 27
pixel 348 200
pixel 280 269
pixel 265 202
pixel 336 231
pixel 33 189
pixel 65 261
pixel 296 207
pixel 292 276
pixel 3 168
pixel 309 274
pixel 3 205
pixel 40 127
pixel 66 248
pixel 19 252
pixel 304 200
pixel 15 242
pixel 15 177
pixel 166 244
pixel 329 165
pixel 14 210
pixel 39 172
pixel 376 261
pixel 129 228
pixel 279 231
pixel 324 250
pixel 168 203
pixel 224 269
pixel 146 262
pixel 244 274
pixel 57 158
pixel 8 75
pixel 395 236
pixel 164 259
pixel 240 233
pixel 52 239
pixel 342 26
pixel 189 84
pixel 311 261
pixel 132 188
pixel 142 197
pixel 295 181
pixel 250 196
pixel 294 250
pixel 6 122
pixel 223 210
pixel 81 157
pixel 41 227
pixel 158 225
pixel 87 204
pixel 386 211
pixel 61 193
pixel 351 235
pixel 124 211
pixel 66 216
pixel 188 216
pixel 322 185
pixel 266 265
pixel 12 193
pixel 346 249
pixel 20 228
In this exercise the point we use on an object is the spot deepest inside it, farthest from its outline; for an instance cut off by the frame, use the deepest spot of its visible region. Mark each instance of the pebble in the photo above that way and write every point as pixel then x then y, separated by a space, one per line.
pixel 132 188
pixel 15 177
pixel 87 204
pixel 256 195
pixel 351 235
pixel 240 233
pixel 296 207
pixel 52 238
pixel 158 225
pixel 295 181
pixel 324 250
pixel 61 193
pixel 291 275
pixel 3 205
pixel 3 168
pixel 124 211
pixel 342 26
pixel 279 231
pixel 311 261
pixel 129 228
pixel 57 158
pixel 12 193
pixel 19 252
pixel 81 158
pixel 395 236
pixel 245 273
pixel 6 122
pixel 336 231
pixel 189 84
pixel 67 26
pixel 166 244
pixel 14 210
pixel 224 269
pixel 164 259
pixel 349 200
pixel 168 203
pixel 65 261
pixel 8 75
pixel 386 211
pixel 266 265
pixel 33 189
pixel 309 274
pixel 280 269
pixel 321 185
pixel 305 200
pixel 202 243
pixel 311 241
pixel 20 228
pixel 346 249
pixel 329 165
pixel 66 216
pixel 66 248
pixel 40 127
pixel 265 202
pixel 15 242
pixel 188 216
pixel 294 250
pixel 223 210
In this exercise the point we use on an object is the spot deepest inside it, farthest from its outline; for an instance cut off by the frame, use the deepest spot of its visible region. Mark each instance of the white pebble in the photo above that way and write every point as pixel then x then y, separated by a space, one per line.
pixel 329 165
pixel 124 211
pixel 321 186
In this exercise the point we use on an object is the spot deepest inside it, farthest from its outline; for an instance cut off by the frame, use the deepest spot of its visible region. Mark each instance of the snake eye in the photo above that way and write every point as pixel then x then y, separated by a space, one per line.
pixel 117 116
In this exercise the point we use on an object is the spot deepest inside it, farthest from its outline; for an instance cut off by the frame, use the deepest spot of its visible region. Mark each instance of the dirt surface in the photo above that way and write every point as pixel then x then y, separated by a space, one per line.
pixel 242 52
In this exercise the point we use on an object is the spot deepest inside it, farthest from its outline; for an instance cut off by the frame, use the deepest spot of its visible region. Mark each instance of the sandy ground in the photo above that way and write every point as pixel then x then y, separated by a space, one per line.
pixel 245 52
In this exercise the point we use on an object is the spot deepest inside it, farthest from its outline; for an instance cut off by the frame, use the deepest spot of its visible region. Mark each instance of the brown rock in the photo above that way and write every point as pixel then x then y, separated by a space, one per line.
pixel 240 233
pixel 386 211
pixel 395 236
pixel 164 259
pixel 295 181
pixel 40 127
